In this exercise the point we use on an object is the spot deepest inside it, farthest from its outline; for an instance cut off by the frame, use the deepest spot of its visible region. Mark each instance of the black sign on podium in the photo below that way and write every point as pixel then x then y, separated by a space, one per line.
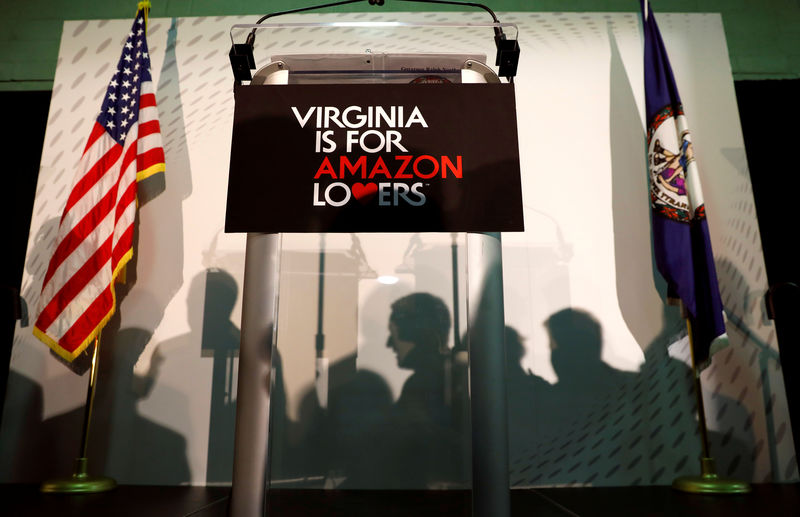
pixel 374 158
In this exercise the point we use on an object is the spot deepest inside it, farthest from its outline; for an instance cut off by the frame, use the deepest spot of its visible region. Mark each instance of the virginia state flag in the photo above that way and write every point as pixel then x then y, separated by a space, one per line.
pixel 680 231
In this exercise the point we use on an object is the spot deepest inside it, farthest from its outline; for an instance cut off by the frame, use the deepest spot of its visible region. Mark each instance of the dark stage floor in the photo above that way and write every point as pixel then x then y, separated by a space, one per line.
pixel 150 501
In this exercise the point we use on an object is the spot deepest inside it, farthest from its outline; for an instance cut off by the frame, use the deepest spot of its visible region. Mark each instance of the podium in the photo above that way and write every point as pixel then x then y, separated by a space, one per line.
pixel 321 402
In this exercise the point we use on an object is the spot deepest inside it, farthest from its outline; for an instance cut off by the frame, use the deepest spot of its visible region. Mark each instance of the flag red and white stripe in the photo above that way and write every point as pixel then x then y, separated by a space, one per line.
pixel 95 235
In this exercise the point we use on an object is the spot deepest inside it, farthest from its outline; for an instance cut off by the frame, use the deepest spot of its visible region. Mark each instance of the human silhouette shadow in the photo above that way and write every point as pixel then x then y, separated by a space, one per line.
pixel 576 345
pixel 425 443
pixel 571 432
pixel 210 301
pixel 362 440
pixel 602 427
pixel 165 462
pixel 333 446
pixel 298 448
pixel 220 340
pixel 529 399
pixel 22 435
pixel 118 431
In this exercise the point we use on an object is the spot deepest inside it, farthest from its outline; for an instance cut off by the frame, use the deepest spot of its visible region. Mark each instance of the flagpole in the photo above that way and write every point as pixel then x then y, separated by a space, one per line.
pixel 81 482
pixel 707 482
pixel 56 308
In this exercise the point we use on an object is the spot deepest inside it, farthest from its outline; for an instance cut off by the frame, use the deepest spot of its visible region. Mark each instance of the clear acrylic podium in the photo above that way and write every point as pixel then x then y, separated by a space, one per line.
pixel 317 376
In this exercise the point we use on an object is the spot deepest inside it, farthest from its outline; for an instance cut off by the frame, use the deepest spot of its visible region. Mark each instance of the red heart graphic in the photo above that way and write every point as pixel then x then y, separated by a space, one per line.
pixel 364 192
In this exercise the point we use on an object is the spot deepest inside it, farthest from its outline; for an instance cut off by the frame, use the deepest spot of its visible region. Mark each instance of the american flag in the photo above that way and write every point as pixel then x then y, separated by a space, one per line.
pixel 95 235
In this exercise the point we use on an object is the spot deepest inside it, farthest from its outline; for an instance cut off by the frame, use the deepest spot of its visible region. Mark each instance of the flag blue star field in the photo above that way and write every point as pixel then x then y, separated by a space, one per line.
pixel 95 235
pixel 680 230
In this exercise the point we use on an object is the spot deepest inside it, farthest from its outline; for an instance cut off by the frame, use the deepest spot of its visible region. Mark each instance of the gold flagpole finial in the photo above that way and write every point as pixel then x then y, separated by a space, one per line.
pixel 144 5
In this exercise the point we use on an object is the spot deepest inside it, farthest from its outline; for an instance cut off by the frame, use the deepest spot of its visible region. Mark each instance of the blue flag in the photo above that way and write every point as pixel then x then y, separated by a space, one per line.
pixel 680 231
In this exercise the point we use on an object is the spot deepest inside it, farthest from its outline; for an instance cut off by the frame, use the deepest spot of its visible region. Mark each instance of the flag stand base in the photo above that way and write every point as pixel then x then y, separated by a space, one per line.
pixel 709 483
pixel 79 483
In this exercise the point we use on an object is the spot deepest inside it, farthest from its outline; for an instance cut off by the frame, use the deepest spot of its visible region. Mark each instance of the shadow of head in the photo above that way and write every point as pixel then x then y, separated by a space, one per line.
pixel 515 349
pixel 419 325
pixel 212 297
pixel 576 341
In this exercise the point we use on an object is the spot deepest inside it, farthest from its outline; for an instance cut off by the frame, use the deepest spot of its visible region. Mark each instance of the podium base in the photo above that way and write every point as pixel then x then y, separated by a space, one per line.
pixel 79 483
pixel 709 483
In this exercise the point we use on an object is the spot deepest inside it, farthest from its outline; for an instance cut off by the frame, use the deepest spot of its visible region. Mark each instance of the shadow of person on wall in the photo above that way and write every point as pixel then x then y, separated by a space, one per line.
pixel 582 437
pixel 605 427
pixel 210 301
pixel 332 446
pixel 21 435
pixel 141 448
pixel 118 431
pixel 220 340
pixel 426 445
pixel 529 400
pixel 576 345
pixel 123 444
pixel 362 440
pixel 358 432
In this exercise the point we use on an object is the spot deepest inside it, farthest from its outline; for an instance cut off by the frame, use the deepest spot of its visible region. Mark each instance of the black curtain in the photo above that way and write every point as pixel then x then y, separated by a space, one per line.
pixel 26 117
pixel 768 111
